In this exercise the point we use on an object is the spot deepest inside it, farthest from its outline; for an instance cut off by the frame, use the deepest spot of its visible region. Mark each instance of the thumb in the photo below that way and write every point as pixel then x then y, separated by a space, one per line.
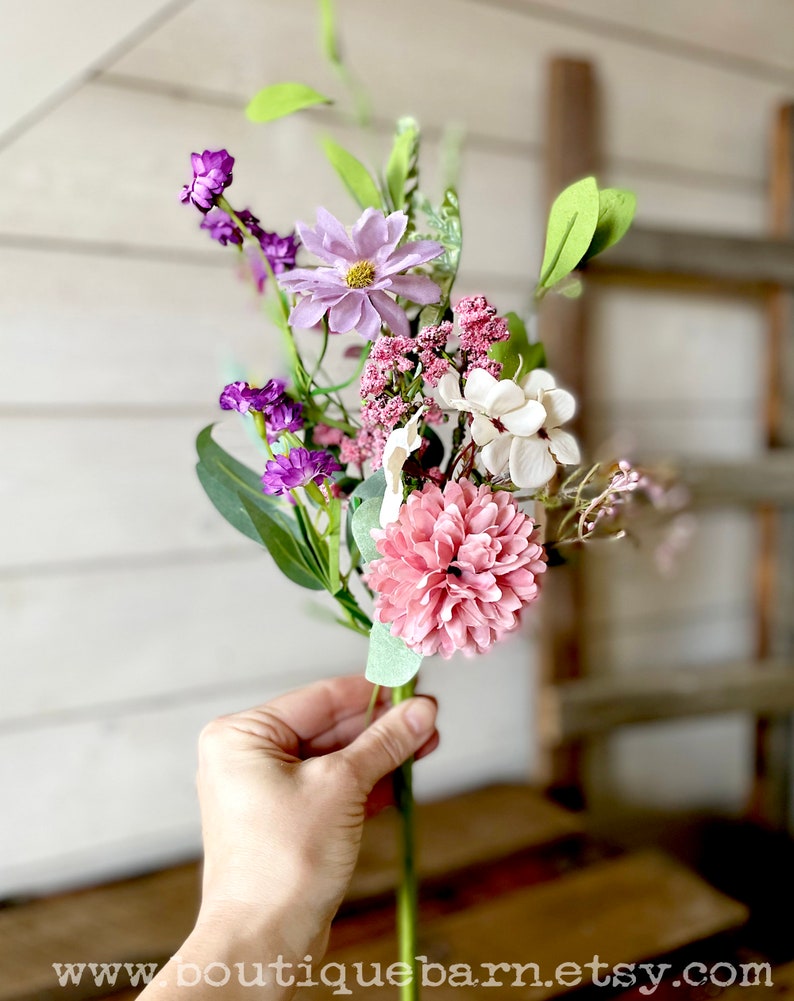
pixel 391 740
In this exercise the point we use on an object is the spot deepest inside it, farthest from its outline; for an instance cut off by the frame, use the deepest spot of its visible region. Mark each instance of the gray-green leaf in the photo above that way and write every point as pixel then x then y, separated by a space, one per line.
pixel 354 175
pixel 365 518
pixel 282 99
pixel 389 661
pixel 572 223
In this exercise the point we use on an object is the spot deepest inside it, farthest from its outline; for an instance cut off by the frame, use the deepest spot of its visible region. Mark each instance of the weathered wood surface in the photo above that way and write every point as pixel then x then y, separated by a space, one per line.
pixel 623 910
pixel 146 919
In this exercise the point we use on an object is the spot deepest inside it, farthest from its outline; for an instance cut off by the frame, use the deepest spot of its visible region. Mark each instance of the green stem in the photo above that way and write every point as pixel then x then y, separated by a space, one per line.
pixel 407 891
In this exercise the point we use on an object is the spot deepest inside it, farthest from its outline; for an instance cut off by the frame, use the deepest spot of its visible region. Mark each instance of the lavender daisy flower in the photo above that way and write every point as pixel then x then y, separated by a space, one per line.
pixel 241 397
pixel 212 173
pixel 284 415
pixel 280 251
pixel 221 227
pixel 365 265
pixel 298 468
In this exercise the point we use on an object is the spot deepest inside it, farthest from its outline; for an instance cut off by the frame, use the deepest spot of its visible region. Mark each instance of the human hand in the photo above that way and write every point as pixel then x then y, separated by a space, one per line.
pixel 284 789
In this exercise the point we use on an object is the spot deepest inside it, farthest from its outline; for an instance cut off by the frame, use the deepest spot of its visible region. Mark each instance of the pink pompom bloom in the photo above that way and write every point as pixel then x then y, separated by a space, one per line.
pixel 457 567
pixel 365 265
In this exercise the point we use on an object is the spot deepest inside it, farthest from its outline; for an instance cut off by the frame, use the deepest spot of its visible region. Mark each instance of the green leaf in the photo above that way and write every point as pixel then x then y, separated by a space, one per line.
pixel 283 547
pixel 354 175
pixel 282 99
pixel 226 481
pixel 616 210
pixel 389 661
pixel 402 164
pixel 365 518
pixel 328 39
pixel 572 223
pixel 446 225
pixel 517 355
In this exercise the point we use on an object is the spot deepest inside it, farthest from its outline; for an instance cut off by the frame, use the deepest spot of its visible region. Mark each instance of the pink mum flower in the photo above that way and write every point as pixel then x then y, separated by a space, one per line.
pixel 457 568
pixel 365 265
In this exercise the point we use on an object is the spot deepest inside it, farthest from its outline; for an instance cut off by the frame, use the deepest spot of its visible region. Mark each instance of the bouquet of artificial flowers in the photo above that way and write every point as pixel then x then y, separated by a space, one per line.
pixel 398 488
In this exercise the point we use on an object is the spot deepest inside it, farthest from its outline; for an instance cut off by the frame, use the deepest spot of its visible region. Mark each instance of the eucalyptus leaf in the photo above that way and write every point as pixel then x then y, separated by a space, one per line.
pixel 282 99
pixel 616 209
pixel 365 518
pixel 389 661
pixel 354 175
pixel 572 222
pixel 283 547
pixel 373 486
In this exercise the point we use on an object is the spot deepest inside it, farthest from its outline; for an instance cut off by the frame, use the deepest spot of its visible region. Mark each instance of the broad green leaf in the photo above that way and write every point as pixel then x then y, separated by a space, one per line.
pixel 389 661
pixel 225 481
pixel 402 164
pixel 283 547
pixel 282 99
pixel 365 518
pixel 354 175
pixel 536 358
pixel 572 223
pixel 616 210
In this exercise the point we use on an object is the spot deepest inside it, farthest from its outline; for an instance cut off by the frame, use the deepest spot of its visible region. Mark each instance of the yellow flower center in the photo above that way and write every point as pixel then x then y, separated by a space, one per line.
pixel 360 275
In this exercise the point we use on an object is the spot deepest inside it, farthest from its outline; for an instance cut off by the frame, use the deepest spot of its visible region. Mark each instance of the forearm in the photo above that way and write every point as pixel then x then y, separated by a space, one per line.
pixel 234 958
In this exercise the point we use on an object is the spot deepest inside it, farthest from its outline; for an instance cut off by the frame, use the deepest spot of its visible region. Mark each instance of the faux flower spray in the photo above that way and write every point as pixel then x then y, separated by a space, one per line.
pixel 398 488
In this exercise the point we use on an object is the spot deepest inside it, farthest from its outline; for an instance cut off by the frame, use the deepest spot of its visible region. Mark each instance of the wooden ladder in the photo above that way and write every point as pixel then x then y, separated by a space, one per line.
pixel 574 707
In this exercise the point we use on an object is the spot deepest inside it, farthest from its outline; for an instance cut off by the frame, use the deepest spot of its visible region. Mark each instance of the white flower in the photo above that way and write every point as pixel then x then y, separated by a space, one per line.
pixel 399 445
pixel 517 425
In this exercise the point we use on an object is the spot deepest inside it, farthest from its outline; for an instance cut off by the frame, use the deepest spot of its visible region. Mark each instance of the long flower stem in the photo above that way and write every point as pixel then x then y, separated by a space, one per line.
pixel 407 891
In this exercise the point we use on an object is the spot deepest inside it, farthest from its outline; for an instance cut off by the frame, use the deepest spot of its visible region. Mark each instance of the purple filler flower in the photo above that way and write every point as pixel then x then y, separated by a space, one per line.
pixel 212 172
pixel 364 266
pixel 298 468
pixel 241 397
pixel 284 415
pixel 221 227
pixel 279 250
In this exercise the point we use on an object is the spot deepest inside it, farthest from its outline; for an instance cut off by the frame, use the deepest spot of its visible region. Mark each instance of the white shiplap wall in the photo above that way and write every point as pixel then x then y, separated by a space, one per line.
pixel 129 613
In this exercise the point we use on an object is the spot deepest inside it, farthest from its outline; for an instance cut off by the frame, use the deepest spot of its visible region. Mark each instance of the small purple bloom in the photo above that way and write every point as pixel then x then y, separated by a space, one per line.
pixel 364 265
pixel 284 415
pixel 241 397
pixel 280 251
pixel 298 468
pixel 269 395
pixel 221 227
pixel 237 396
pixel 212 173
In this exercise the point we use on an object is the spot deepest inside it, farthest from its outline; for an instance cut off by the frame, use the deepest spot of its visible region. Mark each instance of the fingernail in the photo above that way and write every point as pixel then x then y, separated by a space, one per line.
pixel 420 715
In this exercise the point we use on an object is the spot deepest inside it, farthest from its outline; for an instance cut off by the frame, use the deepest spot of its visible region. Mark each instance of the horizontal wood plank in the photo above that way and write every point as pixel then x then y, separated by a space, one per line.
pixel 596 705
pixel 146 919
pixel 709 31
pixel 633 908
pixel 767 479
pixel 724 126
pixel 737 261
